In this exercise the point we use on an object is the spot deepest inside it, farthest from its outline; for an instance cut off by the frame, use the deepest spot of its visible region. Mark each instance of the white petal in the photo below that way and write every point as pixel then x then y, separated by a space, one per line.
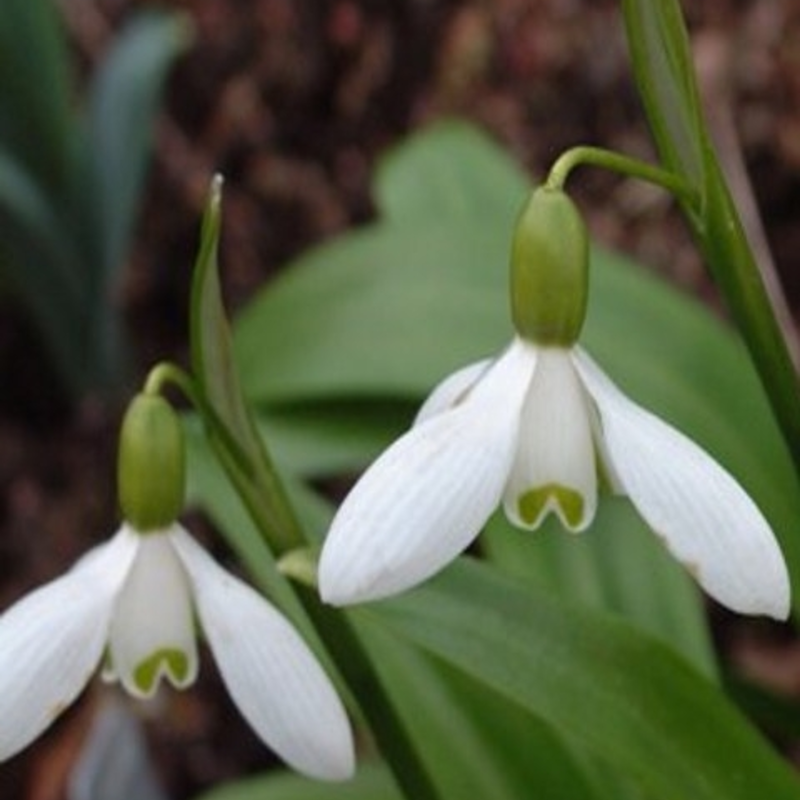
pixel 554 469
pixel 453 389
pixel 271 674
pixel 51 642
pixel 707 520
pixel 428 496
pixel 152 633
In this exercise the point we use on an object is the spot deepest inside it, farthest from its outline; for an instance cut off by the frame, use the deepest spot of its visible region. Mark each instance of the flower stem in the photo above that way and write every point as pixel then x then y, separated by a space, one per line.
pixel 616 162
pixel 165 373
pixel 398 748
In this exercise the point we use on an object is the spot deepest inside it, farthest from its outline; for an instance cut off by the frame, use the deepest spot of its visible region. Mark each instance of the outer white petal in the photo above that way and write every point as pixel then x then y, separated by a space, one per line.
pixel 427 497
pixel 271 674
pixel 707 520
pixel 451 390
pixel 51 641
pixel 152 621
pixel 555 447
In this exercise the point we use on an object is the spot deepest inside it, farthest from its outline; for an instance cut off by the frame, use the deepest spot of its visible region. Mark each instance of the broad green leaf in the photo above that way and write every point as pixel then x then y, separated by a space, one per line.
pixel 458 167
pixel 662 64
pixel 381 312
pixel 467 746
pixel 123 105
pixel 531 749
pixel 320 440
pixel 618 565
pixel 624 697
pixel 455 755
pixel 373 782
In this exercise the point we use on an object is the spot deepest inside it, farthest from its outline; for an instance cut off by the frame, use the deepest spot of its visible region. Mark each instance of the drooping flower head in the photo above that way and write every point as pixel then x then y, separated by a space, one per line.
pixel 131 603
pixel 529 430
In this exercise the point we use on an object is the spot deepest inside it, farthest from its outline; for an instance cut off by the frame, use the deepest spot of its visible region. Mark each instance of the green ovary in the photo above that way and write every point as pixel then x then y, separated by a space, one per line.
pixel 534 503
pixel 175 664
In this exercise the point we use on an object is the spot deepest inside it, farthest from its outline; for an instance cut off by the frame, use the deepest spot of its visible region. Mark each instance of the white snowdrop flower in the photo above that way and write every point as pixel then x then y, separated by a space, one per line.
pixel 134 599
pixel 131 604
pixel 530 430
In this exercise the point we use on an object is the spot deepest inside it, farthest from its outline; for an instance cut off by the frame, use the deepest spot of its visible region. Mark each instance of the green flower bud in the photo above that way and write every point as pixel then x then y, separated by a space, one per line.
pixel 151 470
pixel 549 270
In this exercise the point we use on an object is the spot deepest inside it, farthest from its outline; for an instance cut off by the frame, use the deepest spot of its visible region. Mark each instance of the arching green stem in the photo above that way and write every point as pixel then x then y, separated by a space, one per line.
pixel 616 162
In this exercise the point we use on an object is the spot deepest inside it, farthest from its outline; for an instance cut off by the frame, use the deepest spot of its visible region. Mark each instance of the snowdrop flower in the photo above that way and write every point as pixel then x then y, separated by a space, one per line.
pixel 531 430
pixel 133 600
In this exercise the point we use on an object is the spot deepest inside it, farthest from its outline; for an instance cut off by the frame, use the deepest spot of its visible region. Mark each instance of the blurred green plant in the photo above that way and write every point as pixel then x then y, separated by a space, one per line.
pixel 71 176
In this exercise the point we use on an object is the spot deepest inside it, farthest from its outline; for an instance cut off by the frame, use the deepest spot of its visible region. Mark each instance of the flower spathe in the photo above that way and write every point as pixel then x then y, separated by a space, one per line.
pixel 529 430
pixel 134 598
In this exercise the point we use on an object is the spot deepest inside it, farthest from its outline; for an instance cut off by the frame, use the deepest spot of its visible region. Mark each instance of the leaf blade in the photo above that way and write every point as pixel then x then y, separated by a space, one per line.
pixel 621 695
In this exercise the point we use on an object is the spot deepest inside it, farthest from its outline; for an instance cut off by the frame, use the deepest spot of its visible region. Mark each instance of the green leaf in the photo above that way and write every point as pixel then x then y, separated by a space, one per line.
pixel 123 106
pixel 212 361
pixel 384 307
pixel 469 747
pixel 318 440
pixel 380 312
pixel 618 565
pixel 450 171
pixel 622 696
pixel 373 782
pixel 533 754
pixel 229 426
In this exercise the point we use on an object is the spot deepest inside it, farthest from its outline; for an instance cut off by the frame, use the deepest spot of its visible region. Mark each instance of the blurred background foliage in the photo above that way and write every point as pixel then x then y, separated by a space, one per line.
pixel 72 167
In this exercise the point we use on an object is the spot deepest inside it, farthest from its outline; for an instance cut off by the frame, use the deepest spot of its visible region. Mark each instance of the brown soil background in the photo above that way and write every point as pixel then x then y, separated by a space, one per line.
pixel 293 100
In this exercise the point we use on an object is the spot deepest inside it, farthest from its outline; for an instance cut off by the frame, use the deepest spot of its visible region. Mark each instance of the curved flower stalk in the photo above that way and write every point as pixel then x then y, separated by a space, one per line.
pixel 531 430
pixel 134 599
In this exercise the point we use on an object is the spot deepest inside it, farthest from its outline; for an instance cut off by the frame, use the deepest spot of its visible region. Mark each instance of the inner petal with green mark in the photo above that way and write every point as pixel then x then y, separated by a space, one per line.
pixel 554 467
pixel 567 503
pixel 168 663
pixel 152 630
